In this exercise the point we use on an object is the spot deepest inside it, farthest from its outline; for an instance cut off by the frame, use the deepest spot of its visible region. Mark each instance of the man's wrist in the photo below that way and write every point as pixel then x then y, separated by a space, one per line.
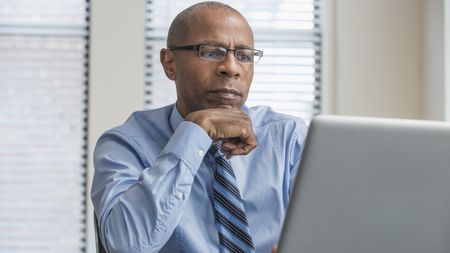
pixel 199 118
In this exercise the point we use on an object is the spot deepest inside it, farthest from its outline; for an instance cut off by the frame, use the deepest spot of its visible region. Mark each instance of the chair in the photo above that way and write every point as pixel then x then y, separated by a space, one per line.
pixel 100 248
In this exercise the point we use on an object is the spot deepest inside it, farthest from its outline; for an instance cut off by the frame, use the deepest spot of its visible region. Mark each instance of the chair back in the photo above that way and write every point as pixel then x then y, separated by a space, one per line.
pixel 98 241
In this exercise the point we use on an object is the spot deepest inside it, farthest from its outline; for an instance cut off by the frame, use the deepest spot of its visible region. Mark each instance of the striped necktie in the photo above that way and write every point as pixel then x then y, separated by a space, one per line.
pixel 231 221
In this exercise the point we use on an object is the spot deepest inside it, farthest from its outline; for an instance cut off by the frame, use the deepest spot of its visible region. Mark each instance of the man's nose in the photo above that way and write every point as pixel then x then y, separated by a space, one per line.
pixel 229 66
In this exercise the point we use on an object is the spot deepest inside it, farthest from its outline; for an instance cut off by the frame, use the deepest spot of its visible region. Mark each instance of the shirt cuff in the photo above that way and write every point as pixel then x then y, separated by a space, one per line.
pixel 190 143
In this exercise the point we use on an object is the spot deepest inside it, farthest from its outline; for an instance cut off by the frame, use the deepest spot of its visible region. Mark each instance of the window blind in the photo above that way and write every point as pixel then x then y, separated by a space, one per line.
pixel 43 104
pixel 287 78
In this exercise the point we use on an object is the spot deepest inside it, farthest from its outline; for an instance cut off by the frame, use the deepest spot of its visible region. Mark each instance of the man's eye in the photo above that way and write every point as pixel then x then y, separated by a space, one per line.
pixel 213 54
pixel 245 57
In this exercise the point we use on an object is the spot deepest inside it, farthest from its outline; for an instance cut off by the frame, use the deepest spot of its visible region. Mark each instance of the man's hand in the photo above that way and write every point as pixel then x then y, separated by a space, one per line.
pixel 232 126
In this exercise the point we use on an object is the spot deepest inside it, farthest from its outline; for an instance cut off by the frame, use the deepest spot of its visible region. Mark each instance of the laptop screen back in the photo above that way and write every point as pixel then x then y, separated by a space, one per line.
pixel 371 185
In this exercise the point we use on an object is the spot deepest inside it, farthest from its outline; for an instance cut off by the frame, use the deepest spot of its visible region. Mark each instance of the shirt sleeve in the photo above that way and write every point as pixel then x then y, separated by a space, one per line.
pixel 139 207
pixel 295 150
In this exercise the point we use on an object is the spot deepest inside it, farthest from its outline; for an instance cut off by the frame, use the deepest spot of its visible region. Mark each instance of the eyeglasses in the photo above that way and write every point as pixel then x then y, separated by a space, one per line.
pixel 217 53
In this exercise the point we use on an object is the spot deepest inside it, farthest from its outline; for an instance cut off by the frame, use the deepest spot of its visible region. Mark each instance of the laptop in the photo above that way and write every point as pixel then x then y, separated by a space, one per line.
pixel 369 185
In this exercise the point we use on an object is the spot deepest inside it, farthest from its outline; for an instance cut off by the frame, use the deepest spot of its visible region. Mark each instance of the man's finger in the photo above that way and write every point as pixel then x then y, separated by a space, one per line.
pixel 236 147
pixel 275 248
pixel 229 145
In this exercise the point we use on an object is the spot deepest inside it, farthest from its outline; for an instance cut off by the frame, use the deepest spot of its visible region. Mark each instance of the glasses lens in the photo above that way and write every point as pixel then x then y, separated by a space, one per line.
pixel 257 56
pixel 212 53
pixel 246 55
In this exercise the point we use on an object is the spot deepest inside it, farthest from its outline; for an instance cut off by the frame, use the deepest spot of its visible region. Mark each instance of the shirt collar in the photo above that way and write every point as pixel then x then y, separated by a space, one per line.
pixel 175 118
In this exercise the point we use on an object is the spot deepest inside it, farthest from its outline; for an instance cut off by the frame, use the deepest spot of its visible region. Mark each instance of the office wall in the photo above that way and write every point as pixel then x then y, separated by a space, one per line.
pixel 433 60
pixel 378 58
pixel 116 73
pixel 391 58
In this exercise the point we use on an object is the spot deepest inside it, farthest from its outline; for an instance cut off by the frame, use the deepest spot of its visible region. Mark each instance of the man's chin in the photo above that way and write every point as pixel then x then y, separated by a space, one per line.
pixel 222 104
pixel 227 106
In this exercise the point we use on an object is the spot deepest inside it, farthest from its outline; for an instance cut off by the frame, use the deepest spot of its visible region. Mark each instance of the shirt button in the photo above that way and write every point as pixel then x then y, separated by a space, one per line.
pixel 179 195
pixel 200 152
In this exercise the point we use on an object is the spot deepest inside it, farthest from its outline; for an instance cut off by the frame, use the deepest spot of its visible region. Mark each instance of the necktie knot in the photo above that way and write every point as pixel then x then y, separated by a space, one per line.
pixel 215 149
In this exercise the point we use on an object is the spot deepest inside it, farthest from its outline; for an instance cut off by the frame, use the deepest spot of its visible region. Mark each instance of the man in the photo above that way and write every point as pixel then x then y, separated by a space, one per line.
pixel 207 174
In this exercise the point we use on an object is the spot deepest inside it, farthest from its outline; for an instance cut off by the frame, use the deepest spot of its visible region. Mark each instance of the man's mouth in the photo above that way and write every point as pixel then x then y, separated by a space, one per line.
pixel 226 93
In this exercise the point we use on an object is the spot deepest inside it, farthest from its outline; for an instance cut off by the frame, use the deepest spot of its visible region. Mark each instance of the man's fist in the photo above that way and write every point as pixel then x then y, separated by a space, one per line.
pixel 232 126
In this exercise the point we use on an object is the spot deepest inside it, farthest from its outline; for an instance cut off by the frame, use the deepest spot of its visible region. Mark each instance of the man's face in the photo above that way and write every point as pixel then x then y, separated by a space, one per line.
pixel 203 84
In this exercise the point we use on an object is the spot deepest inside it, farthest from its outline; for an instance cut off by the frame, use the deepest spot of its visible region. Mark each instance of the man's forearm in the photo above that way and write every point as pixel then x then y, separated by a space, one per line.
pixel 138 208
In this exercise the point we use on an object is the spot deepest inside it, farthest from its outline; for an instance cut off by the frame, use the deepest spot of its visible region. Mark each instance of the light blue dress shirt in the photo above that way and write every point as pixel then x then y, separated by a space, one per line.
pixel 152 188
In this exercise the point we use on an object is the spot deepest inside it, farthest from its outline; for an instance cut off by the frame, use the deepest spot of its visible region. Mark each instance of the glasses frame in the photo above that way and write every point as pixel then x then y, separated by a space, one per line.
pixel 196 47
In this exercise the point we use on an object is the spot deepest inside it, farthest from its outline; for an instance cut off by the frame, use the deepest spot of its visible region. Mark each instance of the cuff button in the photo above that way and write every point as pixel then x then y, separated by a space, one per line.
pixel 179 195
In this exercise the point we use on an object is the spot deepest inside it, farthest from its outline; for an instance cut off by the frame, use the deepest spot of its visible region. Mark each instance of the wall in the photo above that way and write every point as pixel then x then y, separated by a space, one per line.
pixel 378 58
pixel 389 58
pixel 116 82
pixel 433 60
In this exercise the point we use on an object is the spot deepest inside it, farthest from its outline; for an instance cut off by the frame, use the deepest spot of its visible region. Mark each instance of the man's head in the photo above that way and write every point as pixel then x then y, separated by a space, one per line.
pixel 204 84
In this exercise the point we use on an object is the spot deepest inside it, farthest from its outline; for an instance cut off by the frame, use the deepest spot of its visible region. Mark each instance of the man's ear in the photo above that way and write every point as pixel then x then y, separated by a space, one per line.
pixel 168 62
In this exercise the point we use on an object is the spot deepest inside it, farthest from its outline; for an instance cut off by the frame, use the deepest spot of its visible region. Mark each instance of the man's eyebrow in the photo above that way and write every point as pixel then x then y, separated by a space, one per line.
pixel 216 43
pixel 238 45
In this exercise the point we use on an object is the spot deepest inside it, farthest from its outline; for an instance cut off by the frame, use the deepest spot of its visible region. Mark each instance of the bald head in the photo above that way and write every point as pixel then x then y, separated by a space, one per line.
pixel 181 25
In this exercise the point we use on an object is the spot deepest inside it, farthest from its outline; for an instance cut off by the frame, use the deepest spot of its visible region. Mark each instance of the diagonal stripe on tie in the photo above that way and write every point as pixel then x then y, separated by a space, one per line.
pixel 231 237
pixel 227 184
pixel 225 165
pixel 230 207
pixel 229 244
pixel 233 230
